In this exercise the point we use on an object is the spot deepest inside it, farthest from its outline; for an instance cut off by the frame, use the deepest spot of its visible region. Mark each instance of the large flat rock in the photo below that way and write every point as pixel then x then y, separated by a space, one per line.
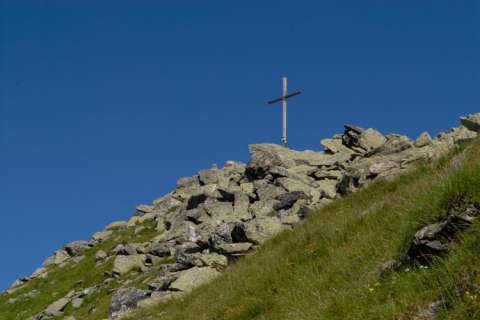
pixel 194 277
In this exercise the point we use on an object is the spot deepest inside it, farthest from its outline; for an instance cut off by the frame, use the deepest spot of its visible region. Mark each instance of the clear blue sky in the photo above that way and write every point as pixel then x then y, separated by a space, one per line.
pixel 104 104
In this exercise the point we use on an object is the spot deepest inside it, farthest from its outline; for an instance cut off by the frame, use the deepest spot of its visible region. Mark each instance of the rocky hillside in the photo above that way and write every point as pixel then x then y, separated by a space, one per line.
pixel 192 235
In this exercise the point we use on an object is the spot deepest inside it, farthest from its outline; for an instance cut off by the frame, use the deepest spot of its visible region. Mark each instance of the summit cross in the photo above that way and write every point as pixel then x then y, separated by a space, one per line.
pixel 284 98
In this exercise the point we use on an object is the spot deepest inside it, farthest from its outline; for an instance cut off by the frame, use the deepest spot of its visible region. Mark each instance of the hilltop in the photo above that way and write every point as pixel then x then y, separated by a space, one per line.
pixel 375 226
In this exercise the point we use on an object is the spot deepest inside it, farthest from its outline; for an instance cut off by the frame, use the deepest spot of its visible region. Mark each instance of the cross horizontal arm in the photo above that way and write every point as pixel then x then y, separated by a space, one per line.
pixel 293 94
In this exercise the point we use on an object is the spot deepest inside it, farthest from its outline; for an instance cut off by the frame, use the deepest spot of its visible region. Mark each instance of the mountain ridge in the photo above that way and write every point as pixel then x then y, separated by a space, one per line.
pixel 191 235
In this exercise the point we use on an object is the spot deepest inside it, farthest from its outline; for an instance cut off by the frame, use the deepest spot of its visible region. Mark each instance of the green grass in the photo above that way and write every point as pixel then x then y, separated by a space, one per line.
pixel 328 267
pixel 60 281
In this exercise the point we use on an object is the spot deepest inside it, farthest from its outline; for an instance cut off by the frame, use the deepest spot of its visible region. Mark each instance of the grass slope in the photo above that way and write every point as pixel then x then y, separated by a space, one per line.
pixel 85 274
pixel 328 267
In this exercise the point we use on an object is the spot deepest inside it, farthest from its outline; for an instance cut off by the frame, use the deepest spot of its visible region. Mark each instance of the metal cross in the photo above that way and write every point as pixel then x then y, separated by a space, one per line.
pixel 284 98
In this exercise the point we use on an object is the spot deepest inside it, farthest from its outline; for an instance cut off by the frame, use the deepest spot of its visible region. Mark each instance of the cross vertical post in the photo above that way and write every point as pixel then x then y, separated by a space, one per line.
pixel 283 99
pixel 284 107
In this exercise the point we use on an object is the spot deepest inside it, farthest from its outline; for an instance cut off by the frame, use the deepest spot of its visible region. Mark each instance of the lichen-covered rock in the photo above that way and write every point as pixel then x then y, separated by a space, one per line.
pixel 294 185
pixel 143 208
pixel 194 277
pixel 336 145
pixel 234 248
pixel 102 235
pixel 124 301
pixel 472 122
pixel 215 260
pixel 159 249
pixel 208 176
pixel 125 264
pixel 219 210
pixel 261 229
pixel 56 308
pixel 266 190
pixel 287 200
pixel 423 140
pixel 188 182
pixel 328 188
pixel 117 225
pixel 371 140
pixel 75 247
pixel 395 143
pixel 59 257
pixel 100 256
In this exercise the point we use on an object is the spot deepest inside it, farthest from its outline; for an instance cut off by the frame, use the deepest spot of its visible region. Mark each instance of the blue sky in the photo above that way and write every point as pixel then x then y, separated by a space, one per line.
pixel 105 104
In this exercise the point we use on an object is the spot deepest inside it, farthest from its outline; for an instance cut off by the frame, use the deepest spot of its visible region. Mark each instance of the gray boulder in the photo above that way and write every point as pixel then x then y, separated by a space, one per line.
pixel 328 174
pixel 471 122
pixel 56 308
pixel 263 207
pixel 336 145
pixel 143 208
pixel 117 225
pixel 125 264
pixel 462 134
pixel 423 140
pixel 195 200
pixel 220 234
pixel 287 200
pixel 241 206
pixel 124 301
pixel 100 256
pixel 159 249
pixel 166 203
pixel 125 250
pixel 395 143
pixel 294 185
pixel 77 303
pixel 213 259
pixel 208 176
pixel 75 247
pixel 265 190
pixel 59 257
pixel 162 283
pixel 194 277
pixel 197 215
pixel 102 235
pixel 261 229
pixel 188 182
pixel 267 156
pixel 219 210
pixel 328 188
pixel 371 140
pixel 234 248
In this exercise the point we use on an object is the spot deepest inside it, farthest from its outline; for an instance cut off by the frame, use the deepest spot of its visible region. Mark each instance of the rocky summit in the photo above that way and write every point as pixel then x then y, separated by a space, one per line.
pixel 188 237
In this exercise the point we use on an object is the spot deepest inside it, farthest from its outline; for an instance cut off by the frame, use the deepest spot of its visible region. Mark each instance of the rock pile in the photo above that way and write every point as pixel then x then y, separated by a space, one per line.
pixel 218 215
pixel 433 240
